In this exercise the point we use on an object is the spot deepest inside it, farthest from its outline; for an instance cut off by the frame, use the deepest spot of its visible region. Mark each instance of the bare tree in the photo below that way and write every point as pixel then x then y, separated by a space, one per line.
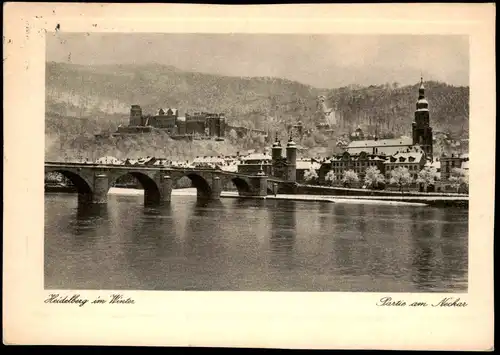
pixel 427 176
pixel 330 177
pixel 310 175
pixel 401 177
pixel 373 177
pixel 459 178
pixel 349 178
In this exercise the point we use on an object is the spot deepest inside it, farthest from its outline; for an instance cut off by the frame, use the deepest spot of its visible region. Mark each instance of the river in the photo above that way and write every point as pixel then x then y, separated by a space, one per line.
pixel 253 245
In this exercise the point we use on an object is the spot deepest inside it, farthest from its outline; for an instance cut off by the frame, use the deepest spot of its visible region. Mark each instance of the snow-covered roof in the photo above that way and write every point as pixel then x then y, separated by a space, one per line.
pixel 386 146
pixel 306 165
pixel 231 168
pixel 160 162
pixel 405 157
pixel 256 156
pixel 403 141
pixel 357 157
pixel 108 160
pixel 210 159
pixel 145 160
pixel 165 110
pixel 435 164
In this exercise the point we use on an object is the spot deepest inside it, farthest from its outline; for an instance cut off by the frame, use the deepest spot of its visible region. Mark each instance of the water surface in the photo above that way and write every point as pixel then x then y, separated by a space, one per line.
pixel 254 245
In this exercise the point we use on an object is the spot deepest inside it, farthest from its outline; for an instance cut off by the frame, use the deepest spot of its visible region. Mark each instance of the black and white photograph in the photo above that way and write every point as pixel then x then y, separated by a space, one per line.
pixel 256 162
pixel 273 176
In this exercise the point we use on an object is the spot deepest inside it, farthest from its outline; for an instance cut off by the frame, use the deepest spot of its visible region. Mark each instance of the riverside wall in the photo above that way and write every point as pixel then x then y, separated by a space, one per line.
pixel 429 198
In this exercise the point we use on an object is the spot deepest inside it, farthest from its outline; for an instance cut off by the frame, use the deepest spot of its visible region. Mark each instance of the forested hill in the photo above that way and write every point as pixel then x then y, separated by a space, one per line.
pixel 85 100
pixel 92 90
pixel 390 108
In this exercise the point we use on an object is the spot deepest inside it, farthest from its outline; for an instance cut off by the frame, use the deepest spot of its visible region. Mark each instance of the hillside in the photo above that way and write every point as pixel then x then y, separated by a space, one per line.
pixel 84 100
pixel 390 108
pixel 112 89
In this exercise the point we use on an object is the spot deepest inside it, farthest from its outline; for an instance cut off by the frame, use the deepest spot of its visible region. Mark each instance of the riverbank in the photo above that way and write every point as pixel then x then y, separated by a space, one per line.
pixel 400 200
pixel 308 198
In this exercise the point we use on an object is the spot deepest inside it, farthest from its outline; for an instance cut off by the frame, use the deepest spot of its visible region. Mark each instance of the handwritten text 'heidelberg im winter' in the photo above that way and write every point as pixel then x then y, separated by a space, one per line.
pixel 77 299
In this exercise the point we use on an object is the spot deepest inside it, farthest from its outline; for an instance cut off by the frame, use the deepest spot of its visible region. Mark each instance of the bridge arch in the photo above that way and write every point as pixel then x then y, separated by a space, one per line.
pixel 242 186
pixel 152 193
pixel 203 187
pixel 82 185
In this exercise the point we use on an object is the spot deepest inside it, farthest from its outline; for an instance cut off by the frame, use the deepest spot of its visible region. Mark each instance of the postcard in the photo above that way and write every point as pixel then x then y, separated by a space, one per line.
pixel 272 176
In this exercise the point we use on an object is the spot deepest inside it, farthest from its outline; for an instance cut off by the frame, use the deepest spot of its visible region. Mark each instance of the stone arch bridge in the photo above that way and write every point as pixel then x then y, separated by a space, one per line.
pixel 94 180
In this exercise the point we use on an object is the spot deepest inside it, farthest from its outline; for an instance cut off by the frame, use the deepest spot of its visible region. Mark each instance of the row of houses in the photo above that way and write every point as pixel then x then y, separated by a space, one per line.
pixel 412 159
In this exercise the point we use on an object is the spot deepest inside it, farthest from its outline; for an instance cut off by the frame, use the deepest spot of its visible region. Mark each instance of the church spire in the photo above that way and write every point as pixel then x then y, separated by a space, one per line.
pixel 276 141
pixel 422 103
pixel 421 90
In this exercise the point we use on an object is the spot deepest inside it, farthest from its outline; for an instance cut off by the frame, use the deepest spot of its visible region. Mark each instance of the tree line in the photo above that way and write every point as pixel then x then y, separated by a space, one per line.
pixel 401 177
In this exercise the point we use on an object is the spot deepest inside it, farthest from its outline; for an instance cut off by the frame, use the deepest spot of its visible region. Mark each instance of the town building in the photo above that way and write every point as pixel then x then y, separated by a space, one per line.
pixel 253 163
pixel 421 134
pixel 414 161
pixel 380 146
pixel 166 119
pixel 358 163
pixel 284 167
pixel 198 124
pixel 412 153
pixel 276 165
pixel 454 161
pixel 357 134
pixel 324 117
pixel 208 162
pixel 304 165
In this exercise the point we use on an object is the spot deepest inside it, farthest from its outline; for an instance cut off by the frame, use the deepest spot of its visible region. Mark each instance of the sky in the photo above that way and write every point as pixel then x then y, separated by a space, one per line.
pixel 323 61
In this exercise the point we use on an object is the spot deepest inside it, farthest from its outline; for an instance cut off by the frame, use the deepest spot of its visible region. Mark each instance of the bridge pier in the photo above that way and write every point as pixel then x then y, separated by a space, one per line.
pixel 216 188
pixel 262 191
pixel 257 187
pixel 85 198
pixel 166 188
pixel 101 187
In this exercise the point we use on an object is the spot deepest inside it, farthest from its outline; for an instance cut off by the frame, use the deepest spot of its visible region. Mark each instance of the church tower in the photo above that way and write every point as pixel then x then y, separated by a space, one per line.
pixel 421 129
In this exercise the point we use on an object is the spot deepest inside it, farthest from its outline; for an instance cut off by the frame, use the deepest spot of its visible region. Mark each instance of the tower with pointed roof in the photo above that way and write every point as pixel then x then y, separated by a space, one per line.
pixel 276 149
pixel 291 159
pixel 421 129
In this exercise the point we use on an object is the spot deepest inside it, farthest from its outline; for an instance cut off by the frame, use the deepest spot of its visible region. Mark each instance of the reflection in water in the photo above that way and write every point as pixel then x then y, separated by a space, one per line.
pixel 283 234
pixel 202 239
pixel 423 253
pixel 86 223
pixel 150 239
pixel 454 248
pixel 345 241
pixel 247 244
pixel 433 260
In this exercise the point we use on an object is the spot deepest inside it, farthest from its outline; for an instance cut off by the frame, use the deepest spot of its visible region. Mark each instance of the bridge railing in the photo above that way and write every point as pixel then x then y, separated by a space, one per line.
pixel 135 166
pixel 160 167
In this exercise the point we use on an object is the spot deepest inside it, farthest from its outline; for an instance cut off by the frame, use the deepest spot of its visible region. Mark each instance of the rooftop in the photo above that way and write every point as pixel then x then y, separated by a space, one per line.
pixel 405 157
pixel 165 110
pixel 306 165
pixel 256 156
pixel 381 142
